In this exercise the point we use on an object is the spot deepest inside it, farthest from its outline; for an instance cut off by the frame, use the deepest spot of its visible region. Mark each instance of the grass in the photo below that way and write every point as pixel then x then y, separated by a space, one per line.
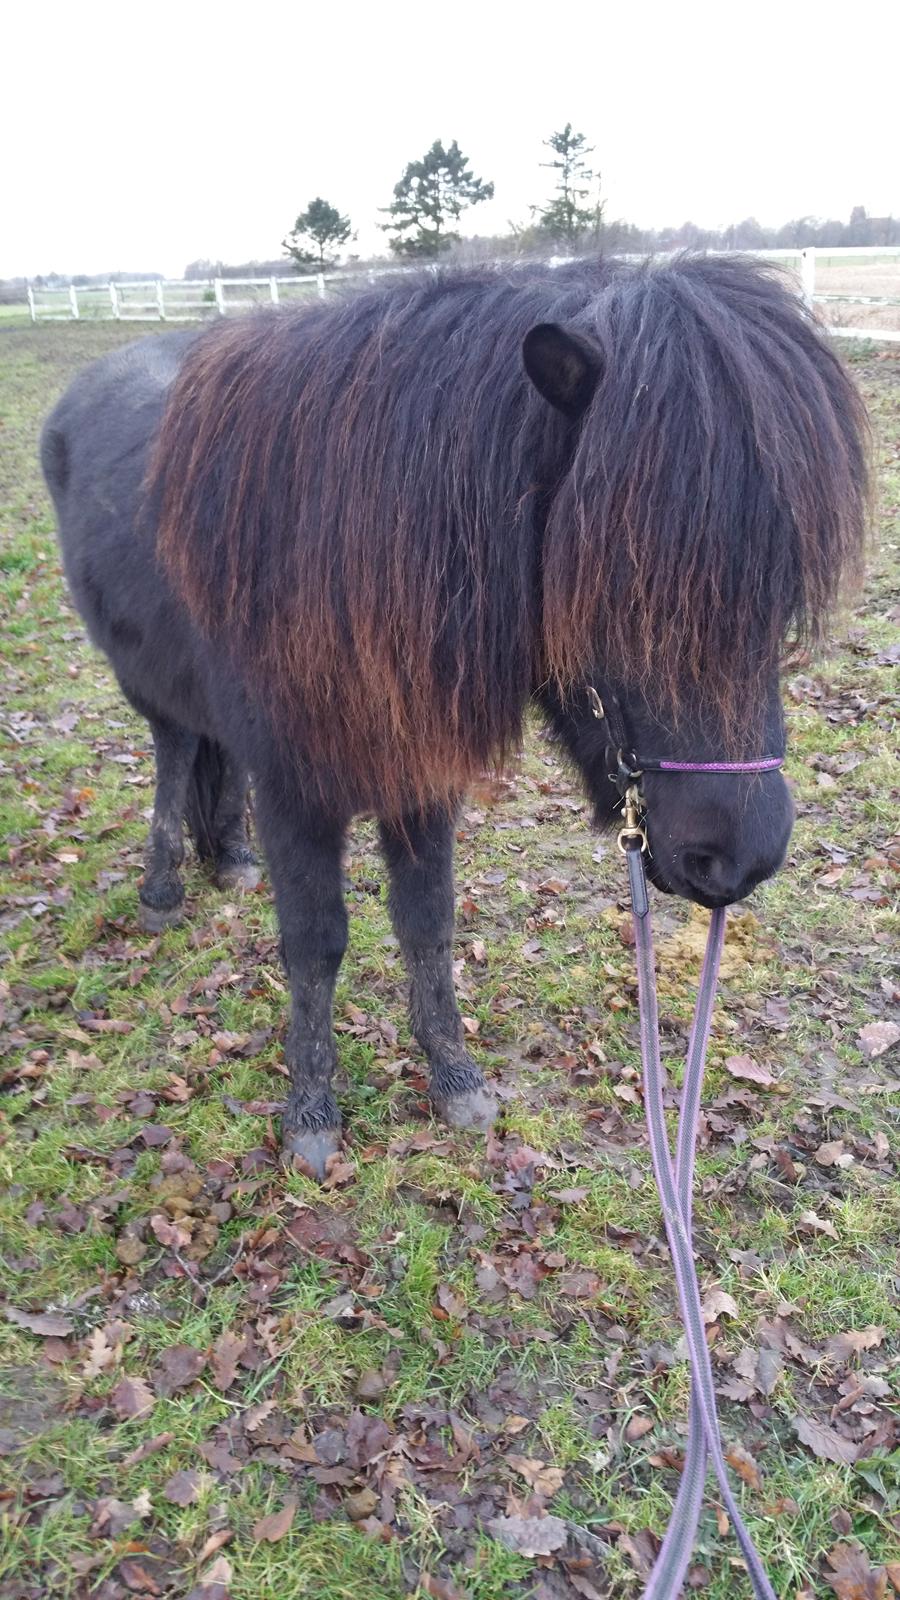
pixel 447 1292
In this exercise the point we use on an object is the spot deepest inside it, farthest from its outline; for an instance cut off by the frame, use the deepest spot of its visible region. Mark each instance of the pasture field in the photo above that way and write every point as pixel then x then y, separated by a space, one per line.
pixel 220 1381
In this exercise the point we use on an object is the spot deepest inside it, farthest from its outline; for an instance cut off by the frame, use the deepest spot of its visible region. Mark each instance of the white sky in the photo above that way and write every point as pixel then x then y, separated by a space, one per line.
pixel 140 135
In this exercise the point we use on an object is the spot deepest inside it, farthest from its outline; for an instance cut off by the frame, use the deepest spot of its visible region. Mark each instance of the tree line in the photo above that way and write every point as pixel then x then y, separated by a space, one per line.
pixel 433 192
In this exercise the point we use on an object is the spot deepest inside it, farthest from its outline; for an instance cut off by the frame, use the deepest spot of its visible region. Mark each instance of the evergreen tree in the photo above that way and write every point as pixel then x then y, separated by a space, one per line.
pixel 429 199
pixel 323 226
pixel 571 211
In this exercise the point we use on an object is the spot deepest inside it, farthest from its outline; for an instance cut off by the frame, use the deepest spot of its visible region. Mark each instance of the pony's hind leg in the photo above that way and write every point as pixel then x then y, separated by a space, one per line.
pixel 304 854
pixel 235 863
pixel 419 854
pixel 161 892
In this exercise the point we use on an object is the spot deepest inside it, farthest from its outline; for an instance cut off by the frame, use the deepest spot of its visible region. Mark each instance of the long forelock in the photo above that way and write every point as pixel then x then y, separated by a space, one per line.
pixel 718 495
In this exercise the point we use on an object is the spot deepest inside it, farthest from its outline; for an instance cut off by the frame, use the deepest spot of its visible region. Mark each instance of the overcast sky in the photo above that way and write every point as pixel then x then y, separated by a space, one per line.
pixel 141 136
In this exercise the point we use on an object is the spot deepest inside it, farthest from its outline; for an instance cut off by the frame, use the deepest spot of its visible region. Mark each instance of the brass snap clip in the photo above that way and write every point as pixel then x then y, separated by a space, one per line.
pixel 632 831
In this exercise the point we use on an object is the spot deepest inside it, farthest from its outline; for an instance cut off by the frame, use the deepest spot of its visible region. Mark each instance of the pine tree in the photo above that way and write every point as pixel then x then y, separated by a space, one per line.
pixel 323 225
pixel 567 215
pixel 431 195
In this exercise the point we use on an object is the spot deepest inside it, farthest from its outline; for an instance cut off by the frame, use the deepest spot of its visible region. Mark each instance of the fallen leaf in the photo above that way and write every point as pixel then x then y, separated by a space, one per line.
pixel 179 1366
pixel 877 1037
pixel 213 1584
pixel 48 1324
pixel 360 1505
pixel 749 1070
pixel 816 1224
pixel 148 1448
pixel 637 1427
pixel 833 1154
pixel 138 1579
pixel 844 1346
pixel 744 1465
pixel 544 1480
pixel 132 1397
pixel 226 1353
pixel 276 1524
pixel 257 1414
pixel 717 1303
pixel 530 1536
pixel 182 1488
pixel 825 1442
pixel 851 1576
pixel 102 1353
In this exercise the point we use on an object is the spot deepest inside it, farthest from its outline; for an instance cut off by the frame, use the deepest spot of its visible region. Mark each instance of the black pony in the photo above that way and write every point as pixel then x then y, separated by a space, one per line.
pixel 343 549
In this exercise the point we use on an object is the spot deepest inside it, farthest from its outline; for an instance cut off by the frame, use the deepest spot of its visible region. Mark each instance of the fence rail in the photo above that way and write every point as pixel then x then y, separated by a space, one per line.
pixel 193 300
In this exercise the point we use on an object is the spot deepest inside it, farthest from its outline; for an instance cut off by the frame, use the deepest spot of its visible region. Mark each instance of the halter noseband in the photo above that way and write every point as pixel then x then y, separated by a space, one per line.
pixel 630 767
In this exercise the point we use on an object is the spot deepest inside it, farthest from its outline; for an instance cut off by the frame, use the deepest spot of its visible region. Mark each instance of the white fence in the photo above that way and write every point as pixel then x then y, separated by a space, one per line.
pixel 168 299
pixel 187 300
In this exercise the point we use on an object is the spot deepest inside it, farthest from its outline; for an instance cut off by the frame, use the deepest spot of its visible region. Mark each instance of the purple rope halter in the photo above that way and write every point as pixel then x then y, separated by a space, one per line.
pixel 675 1184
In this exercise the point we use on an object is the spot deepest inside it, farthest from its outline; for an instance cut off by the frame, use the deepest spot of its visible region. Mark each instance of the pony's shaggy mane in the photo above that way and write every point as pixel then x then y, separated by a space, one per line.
pixel 397 539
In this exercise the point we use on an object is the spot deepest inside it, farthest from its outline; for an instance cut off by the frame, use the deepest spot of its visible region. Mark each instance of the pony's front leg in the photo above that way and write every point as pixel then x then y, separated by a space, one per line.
pixel 419 854
pixel 304 851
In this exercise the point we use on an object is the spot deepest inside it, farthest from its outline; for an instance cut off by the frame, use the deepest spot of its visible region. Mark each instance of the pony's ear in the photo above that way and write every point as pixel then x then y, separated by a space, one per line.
pixel 563 366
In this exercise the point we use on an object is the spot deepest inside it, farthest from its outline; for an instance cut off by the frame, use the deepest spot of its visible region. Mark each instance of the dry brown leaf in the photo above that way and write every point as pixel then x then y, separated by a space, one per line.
pixel 48 1324
pixel 132 1397
pixel 844 1346
pixel 276 1524
pixel 744 1465
pixel 138 1579
pixel 852 1577
pixel 750 1071
pixel 825 1442
pixel 254 1415
pixel 101 1354
pixel 530 1536
pixel 179 1366
pixel 226 1353
pixel 816 1224
pixel 637 1427
pixel 182 1489
pixel 877 1037
pixel 718 1303
pixel 545 1480
pixel 833 1154
pixel 148 1448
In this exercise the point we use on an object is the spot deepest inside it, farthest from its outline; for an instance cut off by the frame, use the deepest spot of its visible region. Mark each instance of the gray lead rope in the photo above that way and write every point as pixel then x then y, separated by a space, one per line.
pixel 675 1195
pixel 670 1568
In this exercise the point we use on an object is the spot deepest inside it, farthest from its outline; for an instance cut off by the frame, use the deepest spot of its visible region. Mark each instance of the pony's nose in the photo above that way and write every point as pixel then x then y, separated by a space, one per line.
pixel 714 878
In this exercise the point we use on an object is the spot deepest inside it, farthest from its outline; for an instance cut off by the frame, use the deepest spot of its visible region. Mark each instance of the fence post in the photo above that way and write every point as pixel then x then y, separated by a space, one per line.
pixel 31 308
pixel 160 302
pixel 273 291
pixel 808 273
pixel 73 302
pixel 219 288
pixel 320 284
pixel 114 301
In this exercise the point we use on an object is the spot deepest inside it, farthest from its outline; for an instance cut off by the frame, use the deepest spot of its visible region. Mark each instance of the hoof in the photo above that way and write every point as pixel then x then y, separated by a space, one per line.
pixel 311 1149
pixel 471 1108
pixel 243 875
pixel 152 919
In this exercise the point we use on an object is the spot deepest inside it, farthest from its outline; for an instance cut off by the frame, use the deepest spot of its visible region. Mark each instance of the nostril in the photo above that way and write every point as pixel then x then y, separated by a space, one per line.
pixel 702 867
pixel 711 874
